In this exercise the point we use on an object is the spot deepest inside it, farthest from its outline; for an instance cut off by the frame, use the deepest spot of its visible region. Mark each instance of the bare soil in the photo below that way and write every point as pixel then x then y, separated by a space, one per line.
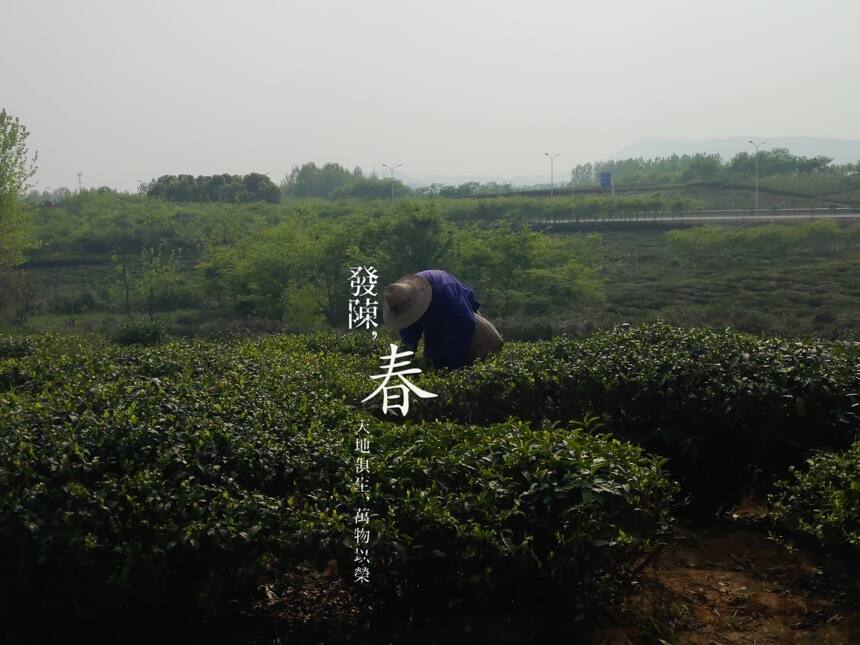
pixel 733 583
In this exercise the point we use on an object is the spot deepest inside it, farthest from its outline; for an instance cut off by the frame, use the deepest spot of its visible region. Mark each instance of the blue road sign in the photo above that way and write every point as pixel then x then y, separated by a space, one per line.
pixel 606 180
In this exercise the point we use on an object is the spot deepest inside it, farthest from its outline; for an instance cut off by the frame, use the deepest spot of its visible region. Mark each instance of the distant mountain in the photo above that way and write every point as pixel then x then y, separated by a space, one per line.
pixel 841 150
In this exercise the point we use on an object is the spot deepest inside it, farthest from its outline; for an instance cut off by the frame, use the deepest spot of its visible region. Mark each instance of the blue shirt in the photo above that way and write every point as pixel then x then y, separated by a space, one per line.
pixel 449 322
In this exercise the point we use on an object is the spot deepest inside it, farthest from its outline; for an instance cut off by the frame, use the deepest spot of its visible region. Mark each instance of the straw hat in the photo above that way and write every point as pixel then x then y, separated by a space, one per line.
pixel 405 301
pixel 485 340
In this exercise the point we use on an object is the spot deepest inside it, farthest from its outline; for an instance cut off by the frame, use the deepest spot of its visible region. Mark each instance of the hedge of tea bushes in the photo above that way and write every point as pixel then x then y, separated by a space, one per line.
pixel 821 501
pixel 464 512
pixel 730 410
pixel 184 476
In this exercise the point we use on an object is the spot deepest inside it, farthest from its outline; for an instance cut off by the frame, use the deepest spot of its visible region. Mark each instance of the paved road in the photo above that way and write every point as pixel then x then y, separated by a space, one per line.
pixel 692 218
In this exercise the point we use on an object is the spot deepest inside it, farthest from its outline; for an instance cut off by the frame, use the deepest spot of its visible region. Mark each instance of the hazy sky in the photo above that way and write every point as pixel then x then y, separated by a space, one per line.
pixel 125 90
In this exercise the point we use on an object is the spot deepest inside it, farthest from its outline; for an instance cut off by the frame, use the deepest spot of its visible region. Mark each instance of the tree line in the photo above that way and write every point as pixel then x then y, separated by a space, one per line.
pixel 298 273
pixel 289 261
pixel 706 167
pixel 252 187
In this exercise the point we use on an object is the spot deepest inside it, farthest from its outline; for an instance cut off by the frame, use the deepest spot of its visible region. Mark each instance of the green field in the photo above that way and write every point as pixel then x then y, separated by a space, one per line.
pixel 795 285
pixel 798 293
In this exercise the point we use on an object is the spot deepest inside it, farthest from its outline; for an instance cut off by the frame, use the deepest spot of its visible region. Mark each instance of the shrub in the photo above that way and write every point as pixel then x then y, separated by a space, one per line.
pixel 472 512
pixel 139 332
pixel 183 476
pixel 15 346
pixel 727 409
pixel 822 502
pixel 187 474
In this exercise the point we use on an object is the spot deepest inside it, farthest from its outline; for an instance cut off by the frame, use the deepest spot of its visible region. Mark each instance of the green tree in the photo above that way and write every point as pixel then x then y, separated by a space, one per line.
pixel 512 268
pixel 257 274
pixel 16 170
pixel 310 180
pixel 122 260
pixel 339 249
pixel 703 166
pixel 492 260
pixel 253 187
pixel 159 276
pixel 564 274
pixel 412 237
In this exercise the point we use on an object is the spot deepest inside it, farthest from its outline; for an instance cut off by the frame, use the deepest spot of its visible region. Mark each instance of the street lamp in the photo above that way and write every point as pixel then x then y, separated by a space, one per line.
pixel 551 172
pixel 391 168
pixel 760 143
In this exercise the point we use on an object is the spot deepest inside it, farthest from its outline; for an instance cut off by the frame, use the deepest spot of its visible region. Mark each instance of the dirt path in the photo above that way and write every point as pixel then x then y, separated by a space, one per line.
pixel 732 584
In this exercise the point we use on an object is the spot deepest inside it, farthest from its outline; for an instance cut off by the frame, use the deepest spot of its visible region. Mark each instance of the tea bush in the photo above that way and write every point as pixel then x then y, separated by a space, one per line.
pixel 470 511
pixel 187 474
pixel 822 501
pixel 14 346
pixel 725 407
pixel 730 410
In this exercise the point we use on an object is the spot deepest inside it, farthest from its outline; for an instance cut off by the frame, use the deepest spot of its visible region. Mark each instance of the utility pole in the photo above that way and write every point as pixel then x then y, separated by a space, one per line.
pixel 760 143
pixel 80 185
pixel 551 172
pixel 391 168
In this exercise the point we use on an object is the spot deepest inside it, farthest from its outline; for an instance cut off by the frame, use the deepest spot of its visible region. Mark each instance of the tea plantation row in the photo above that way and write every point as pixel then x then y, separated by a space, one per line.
pixel 188 474
pixel 730 410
